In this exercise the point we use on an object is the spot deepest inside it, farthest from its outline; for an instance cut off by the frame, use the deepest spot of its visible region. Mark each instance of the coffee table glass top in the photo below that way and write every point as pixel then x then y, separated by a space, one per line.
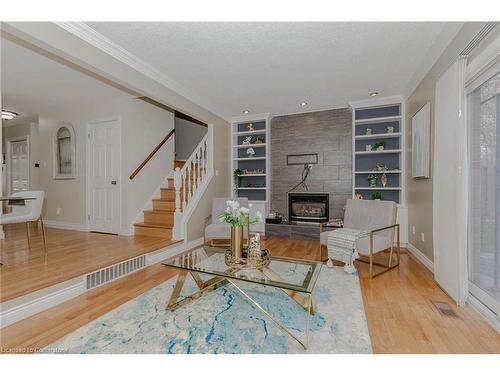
pixel 293 274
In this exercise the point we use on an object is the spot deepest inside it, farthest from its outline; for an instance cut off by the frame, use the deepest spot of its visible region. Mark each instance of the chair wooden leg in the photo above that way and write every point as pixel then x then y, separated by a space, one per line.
pixel 43 235
pixel 28 235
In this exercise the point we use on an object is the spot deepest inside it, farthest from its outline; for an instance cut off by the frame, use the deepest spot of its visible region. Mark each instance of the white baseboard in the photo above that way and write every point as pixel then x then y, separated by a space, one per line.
pixel 485 313
pixel 23 307
pixel 66 226
pixel 30 304
pixel 421 257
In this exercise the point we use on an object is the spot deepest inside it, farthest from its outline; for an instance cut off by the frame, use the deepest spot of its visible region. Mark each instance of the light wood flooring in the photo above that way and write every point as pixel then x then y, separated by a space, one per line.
pixel 401 317
pixel 69 254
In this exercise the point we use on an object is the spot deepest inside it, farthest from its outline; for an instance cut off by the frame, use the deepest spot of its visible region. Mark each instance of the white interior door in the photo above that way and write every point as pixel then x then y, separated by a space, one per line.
pixel 18 161
pixel 104 176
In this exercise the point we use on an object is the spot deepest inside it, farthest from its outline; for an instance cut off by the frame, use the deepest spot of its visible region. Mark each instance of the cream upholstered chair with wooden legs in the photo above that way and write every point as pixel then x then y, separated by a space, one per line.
pixel 31 212
pixel 217 233
pixel 379 219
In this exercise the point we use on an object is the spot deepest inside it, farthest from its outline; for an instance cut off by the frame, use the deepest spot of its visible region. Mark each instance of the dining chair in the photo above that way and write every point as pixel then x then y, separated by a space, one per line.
pixel 30 212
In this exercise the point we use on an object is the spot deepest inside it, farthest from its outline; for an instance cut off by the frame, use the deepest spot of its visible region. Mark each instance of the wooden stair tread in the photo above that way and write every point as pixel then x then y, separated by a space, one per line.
pixel 164 226
pixel 163 200
pixel 159 211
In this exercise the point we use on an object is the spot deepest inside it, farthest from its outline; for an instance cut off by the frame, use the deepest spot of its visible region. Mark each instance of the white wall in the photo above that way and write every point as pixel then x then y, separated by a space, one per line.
pixel 144 127
pixel 187 136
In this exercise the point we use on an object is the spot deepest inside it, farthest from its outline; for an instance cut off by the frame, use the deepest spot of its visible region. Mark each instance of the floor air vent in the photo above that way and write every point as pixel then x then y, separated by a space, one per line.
pixel 115 271
pixel 445 309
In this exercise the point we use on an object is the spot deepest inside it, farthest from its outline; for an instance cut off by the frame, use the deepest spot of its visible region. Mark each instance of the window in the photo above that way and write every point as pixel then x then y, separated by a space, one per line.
pixel 484 242
pixel 64 152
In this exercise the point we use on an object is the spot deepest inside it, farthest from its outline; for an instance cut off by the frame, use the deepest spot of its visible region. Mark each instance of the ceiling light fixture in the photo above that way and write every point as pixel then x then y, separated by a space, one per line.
pixel 374 93
pixel 8 115
pixel 303 104
pixel 246 111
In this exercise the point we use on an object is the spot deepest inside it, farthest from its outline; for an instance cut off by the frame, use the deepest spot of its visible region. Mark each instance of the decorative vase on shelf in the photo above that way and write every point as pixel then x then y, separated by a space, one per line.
pixel 383 180
pixel 390 129
pixel 372 180
pixel 368 131
pixel 368 147
pixel 236 241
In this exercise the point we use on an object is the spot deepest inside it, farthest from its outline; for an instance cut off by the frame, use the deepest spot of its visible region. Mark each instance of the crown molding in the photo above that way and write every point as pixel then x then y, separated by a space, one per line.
pixel 97 40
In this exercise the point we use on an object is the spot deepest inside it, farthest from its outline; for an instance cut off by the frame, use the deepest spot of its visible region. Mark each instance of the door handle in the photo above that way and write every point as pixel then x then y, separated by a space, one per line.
pixel 113 182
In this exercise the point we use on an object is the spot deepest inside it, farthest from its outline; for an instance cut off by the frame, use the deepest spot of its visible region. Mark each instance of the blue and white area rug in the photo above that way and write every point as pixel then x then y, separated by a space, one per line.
pixel 224 321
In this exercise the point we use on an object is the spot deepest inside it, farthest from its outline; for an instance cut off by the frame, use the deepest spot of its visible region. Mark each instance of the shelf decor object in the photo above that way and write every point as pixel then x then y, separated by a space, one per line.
pixel 250 155
pixel 378 148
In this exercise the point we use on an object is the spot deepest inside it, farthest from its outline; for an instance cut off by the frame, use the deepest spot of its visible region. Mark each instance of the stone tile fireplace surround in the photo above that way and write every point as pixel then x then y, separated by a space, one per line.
pixel 327 133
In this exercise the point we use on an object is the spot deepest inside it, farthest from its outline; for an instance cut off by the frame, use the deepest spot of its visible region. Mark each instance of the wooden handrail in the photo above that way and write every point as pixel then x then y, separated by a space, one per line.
pixel 138 169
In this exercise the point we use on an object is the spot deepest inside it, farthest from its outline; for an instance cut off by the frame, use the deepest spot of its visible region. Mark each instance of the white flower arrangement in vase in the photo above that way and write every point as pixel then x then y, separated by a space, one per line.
pixel 238 217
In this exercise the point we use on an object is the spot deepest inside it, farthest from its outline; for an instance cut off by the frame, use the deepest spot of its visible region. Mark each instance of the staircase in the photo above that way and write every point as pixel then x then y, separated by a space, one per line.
pixel 183 183
pixel 159 222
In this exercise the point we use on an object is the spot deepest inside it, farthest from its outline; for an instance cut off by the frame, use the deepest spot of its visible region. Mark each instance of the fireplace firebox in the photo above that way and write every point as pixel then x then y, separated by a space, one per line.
pixel 306 207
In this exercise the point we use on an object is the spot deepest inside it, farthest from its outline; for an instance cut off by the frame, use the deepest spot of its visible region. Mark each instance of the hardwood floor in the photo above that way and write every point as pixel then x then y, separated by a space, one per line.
pixel 70 254
pixel 401 317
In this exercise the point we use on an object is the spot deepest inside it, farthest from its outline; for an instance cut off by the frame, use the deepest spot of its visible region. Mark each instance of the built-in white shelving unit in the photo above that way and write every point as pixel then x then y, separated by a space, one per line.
pixel 378 121
pixel 254 186
pixel 378 114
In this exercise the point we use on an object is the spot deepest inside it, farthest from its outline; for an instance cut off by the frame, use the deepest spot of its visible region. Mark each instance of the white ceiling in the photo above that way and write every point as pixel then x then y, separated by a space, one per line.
pixel 34 84
pixel 272 67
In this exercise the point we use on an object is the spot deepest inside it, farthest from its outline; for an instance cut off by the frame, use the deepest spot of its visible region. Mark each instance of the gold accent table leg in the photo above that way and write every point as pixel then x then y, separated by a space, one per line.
pixel 204 287
pixel 277 322
pixel 299 298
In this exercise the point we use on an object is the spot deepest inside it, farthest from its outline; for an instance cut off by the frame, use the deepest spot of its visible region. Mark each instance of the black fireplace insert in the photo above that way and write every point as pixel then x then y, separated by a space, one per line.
pixel 306 207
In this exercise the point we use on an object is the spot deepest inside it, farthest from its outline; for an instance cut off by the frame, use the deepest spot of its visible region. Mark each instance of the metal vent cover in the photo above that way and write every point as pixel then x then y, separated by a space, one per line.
pixel 115 271
pixel 445 309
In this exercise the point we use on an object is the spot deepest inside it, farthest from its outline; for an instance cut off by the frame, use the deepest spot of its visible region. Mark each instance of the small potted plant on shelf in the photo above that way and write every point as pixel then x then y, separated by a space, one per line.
pixel 379 146
pixel 372 180
pixel 377 196
pixel 236 178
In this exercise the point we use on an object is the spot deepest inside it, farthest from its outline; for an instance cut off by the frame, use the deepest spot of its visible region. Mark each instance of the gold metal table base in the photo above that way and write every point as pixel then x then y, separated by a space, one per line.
pixel 216 282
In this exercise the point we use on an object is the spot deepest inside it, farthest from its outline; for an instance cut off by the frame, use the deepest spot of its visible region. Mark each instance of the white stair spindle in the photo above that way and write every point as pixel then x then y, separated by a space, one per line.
pixel 183 191
pixel 177 186
pixel 190 178
pixel 198 163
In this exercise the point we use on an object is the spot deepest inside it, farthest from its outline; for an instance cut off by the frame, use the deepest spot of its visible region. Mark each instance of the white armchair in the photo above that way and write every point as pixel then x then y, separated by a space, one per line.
pixel 215 231
pixel 31 212
pixel 377 217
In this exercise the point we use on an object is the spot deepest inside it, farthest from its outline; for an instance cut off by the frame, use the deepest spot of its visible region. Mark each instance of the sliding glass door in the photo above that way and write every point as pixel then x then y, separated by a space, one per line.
pixel 483 107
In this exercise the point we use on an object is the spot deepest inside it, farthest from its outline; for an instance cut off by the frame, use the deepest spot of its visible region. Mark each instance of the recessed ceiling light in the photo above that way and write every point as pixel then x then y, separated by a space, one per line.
pixel 374 93
pixel 303 104
pixel 8 115
pixel 246 111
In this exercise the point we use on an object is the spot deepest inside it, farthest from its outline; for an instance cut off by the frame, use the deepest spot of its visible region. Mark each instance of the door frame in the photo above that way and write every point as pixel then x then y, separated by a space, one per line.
pixel 8 159
pixel 87 170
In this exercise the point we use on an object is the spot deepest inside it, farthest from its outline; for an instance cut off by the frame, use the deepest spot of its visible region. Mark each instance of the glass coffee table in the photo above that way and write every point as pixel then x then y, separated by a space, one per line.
pixel 295 277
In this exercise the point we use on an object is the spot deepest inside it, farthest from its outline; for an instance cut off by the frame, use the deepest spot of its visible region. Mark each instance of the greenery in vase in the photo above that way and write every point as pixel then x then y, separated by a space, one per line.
pixel 378 144
pixel 377 195
pixel 239 216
